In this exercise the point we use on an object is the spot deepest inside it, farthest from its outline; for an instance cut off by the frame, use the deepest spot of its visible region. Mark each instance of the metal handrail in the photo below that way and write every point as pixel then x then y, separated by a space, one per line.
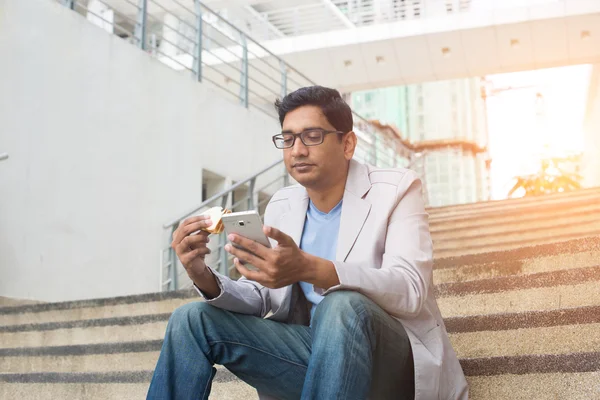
pixel 219 195
pixel 3 156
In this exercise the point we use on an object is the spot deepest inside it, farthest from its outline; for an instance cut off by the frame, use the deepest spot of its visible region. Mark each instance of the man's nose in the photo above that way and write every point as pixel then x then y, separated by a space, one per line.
pixel 299 149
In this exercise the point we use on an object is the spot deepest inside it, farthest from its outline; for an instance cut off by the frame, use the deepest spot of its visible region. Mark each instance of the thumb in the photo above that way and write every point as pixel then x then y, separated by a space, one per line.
pixel 280 237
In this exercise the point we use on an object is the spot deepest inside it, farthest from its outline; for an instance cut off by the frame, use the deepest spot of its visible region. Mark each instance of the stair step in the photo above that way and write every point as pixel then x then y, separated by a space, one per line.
pixel 507 216
pixel 88 323
pixel 104 362
pixel 124 306
pixel 526 221
pixel 547 386
pixel 546 340
pixel 222 375
pixel 84 335
pixel 508 246
pixel 79 377
pixel 79 391
pixel 524 320
pixel 480 208
pixel 546 298
pixel 531 364
pixel 578 245
pixel 518 237
pixel 517 282
pixel 591 243
pixel 494 269
pixel 12 302
pixel 111 391
pixel 113 385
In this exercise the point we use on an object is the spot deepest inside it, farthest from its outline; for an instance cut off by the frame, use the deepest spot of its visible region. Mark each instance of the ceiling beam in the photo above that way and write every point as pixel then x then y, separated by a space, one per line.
pixel 338 13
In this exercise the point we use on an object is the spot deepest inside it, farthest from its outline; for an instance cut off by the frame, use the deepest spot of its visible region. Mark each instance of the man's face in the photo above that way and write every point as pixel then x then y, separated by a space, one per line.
pixel 313 166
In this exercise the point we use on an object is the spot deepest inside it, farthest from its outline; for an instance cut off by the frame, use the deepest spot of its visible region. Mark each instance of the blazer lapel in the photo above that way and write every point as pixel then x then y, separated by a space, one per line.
pixel 292 222
pixel 355 209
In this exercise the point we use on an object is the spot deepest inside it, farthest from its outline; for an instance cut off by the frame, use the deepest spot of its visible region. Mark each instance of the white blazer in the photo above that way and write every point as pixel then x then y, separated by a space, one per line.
pixel 384 252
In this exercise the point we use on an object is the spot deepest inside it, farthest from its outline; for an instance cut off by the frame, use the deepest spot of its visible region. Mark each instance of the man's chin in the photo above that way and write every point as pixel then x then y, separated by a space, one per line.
pixel 304 179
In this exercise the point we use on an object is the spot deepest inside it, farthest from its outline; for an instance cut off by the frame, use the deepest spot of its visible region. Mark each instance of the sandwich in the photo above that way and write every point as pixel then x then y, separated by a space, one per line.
pixel 215 214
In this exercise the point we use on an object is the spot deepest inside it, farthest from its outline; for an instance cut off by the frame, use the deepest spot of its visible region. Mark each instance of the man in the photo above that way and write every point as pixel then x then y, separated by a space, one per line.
pixel 348 282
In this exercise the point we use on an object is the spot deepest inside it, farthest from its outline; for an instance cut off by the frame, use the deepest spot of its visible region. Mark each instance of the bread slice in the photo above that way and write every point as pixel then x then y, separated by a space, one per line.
pixel 215 214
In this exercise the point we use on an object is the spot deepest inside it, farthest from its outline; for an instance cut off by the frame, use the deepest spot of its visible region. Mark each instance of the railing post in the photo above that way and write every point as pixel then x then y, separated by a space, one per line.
pixel 251 194
pixel 244 75
pixel 198 55
pixel 225 200
pixel 172 265
pixel 173 271
pixel 283 68
pixel 141 25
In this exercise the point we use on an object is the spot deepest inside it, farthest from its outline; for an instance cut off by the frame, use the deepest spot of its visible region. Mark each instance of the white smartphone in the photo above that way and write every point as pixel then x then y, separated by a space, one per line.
pixel 247 224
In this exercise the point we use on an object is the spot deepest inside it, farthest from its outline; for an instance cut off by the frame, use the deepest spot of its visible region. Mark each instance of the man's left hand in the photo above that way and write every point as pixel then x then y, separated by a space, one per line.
pixel 278 267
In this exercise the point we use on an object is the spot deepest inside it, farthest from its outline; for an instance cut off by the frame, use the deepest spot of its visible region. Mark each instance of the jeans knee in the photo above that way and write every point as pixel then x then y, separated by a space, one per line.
pixel 190 314
pixel 342 304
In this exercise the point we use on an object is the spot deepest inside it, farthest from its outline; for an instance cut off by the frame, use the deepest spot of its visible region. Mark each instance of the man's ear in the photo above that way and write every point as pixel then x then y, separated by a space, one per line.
pixel 350 142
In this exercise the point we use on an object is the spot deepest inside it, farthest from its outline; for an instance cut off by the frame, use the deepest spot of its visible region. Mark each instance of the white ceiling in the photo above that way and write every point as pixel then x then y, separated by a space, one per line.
pixel 472 52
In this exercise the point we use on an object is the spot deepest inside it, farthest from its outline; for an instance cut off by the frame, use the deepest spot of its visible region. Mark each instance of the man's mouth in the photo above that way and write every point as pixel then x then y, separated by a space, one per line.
pixel 300 165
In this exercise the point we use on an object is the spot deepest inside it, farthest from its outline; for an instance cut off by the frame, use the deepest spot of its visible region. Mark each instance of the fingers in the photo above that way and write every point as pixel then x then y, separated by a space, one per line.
pixel 191 244
pixel 196 241
pixel 249 244
pixel 245 256
pixel 191 225
pixel 191 255
pixel 276 234
pixel 196 225
pixel 248 273
pixel 258 276
pixel 192 220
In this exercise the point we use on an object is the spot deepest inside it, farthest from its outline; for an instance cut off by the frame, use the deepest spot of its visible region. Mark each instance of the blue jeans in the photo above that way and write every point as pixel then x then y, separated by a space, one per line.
pixel 353 350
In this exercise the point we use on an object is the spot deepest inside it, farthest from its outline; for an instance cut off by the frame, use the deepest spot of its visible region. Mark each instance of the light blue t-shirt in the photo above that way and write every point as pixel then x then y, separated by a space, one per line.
pixel 319 238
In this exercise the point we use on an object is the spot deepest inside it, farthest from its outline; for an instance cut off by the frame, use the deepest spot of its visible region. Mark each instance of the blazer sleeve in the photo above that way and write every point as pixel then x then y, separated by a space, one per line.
pixel 400 284
pixel 242 296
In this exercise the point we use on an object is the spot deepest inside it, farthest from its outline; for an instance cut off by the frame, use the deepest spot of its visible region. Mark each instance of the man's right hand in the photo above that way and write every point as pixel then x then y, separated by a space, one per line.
pixel 191 250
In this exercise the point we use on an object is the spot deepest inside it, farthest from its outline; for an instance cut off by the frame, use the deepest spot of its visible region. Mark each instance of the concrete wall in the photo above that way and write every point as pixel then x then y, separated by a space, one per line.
pixel 591 155
pixel 106 144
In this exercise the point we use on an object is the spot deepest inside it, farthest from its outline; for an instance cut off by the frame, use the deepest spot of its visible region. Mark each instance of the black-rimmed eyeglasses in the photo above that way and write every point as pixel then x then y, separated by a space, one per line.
pixel 309 137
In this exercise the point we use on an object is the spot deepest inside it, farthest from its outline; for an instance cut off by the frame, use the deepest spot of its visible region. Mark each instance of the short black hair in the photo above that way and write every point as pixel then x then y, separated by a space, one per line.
pixel 333 106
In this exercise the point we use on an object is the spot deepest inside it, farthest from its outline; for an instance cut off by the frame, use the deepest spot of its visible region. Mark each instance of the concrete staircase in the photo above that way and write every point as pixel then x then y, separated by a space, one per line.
pixel 518 283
